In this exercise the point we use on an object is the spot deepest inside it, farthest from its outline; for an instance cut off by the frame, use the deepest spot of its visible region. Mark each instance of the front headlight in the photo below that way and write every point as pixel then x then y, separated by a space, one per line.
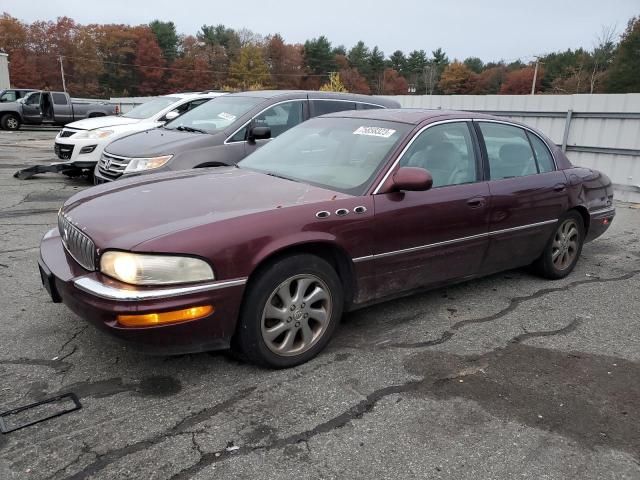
pixel 144 269
pixel 140 164
pixel 94 134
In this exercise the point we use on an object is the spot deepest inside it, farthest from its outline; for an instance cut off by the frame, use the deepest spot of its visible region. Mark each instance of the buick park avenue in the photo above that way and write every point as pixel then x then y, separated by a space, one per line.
pixel 339 212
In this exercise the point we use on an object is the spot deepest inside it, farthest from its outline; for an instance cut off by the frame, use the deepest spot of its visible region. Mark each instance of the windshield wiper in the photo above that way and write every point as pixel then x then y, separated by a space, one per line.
pixel 184 128
pixel 271 174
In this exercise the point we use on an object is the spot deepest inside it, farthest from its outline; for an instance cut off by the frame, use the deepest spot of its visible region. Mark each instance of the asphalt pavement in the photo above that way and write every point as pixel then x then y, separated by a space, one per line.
pixel 510 376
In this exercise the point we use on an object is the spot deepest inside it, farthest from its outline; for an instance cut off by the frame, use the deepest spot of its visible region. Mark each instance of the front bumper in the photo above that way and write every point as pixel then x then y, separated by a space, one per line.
pixel 99 299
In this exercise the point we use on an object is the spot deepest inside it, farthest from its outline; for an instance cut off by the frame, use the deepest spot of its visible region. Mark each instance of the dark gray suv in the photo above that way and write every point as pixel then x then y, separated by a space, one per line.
pixel 223 132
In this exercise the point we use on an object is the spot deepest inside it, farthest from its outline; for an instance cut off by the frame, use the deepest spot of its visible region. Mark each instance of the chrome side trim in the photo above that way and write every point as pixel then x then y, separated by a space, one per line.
pixel 99 289
pixel 522 227
pixel 450 242
pixel 408 145
pixel 603 210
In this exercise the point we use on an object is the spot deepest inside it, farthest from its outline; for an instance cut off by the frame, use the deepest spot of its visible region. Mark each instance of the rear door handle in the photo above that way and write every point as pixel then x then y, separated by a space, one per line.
pixel 560 187
pixel 476 202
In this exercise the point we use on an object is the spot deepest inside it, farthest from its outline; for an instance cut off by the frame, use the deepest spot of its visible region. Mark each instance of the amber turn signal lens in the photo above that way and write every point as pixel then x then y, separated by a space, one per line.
pixel 151 319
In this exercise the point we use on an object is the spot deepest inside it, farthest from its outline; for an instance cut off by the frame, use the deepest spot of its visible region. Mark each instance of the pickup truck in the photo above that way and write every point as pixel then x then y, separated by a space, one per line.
pixel 50 108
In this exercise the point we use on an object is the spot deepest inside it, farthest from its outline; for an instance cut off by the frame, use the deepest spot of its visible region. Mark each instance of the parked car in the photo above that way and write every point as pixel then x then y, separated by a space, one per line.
pixel 224 132
pixel 336 213
pixel 49 108
pixel 13 94
pixel 80 144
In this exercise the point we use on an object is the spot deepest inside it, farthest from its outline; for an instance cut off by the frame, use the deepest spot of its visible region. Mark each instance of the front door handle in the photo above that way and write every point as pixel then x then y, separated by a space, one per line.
pixel 476 202
pixel 560 187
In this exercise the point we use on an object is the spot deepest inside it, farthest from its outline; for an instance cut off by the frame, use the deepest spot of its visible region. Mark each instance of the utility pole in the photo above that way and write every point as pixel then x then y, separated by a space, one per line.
pixel 64 86
pixel 535 77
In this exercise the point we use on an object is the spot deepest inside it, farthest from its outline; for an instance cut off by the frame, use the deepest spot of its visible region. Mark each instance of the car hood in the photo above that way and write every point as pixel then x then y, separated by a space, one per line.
pixel 102 122
pixel 161 141
pixel 128 212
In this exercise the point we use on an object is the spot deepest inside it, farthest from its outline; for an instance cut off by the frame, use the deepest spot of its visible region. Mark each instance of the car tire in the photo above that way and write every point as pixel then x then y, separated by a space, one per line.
pixel 289 312
pixel 10 121
pixel 563 249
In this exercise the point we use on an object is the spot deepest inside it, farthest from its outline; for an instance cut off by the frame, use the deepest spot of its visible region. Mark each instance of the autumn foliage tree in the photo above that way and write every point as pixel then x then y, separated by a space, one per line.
pixel 456 78
pixel 102 60
pixel 518 82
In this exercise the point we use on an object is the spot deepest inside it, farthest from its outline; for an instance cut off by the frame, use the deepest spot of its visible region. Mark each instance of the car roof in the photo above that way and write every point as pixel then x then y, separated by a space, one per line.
pixel 184 95
pixel 315 94
pixel 412 116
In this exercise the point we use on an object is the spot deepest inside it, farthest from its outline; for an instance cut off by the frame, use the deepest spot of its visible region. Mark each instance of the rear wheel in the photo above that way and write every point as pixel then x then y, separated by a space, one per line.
pixel 290 312
pixel 563 248
pixel 10 121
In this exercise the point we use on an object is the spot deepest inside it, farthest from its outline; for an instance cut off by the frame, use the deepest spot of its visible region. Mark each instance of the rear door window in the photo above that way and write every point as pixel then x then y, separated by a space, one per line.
pixel 508 150
pixel 321 107
pixel 543 155
pixel 368 106
pixel 59 98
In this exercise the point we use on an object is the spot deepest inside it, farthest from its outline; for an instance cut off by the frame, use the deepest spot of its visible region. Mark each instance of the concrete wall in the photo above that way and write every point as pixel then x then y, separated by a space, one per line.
pixel 4 71
pixel 601 131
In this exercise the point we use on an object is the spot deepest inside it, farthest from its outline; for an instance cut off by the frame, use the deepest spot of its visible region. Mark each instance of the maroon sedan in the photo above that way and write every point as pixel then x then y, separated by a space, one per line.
pixel 338 212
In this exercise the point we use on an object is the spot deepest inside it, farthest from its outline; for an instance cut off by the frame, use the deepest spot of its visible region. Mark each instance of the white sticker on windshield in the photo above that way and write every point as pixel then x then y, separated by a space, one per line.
pixel 375 131
pixel 227 116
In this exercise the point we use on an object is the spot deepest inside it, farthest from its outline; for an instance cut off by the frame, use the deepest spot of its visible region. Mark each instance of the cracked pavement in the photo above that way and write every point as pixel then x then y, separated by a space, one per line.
pixel 508 376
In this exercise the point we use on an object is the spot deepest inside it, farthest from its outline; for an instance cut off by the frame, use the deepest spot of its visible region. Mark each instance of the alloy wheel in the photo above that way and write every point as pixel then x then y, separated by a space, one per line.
pixel 296 315
pixel 565 244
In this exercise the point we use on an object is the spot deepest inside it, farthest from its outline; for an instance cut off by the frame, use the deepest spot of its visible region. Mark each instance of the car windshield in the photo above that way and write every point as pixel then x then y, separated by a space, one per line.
pixel 214 116
pixel 342 154
pixel 150 108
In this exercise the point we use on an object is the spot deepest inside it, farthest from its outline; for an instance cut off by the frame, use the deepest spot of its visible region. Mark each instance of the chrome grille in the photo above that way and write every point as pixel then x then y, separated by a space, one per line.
pixel 79 246
pixel 112 166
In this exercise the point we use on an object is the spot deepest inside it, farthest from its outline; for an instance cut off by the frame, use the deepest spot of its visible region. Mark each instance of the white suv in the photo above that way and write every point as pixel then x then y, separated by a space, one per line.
pixel 81 143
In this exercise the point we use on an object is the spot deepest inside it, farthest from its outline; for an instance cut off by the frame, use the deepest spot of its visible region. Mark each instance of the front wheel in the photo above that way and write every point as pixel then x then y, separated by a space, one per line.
pixel 10 122
pixel 563 248
pixel 290 311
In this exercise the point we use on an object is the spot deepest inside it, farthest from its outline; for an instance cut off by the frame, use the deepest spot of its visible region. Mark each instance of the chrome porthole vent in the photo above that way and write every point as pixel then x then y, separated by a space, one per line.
pixel 341 212
pixel 323 214
pixel 360 209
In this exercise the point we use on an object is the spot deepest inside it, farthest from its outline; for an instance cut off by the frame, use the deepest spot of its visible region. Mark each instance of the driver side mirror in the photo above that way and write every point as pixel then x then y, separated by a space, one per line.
pixel 411 179
pixel 173 114
pixel 259 133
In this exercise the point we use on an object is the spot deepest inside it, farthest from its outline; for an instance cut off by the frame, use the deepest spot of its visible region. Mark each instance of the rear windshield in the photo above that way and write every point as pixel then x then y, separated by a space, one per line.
pixel 150 108
pixel 215 116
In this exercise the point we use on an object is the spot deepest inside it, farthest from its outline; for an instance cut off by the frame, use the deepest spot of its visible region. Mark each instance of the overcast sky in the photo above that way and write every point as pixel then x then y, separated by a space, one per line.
pixel 489 29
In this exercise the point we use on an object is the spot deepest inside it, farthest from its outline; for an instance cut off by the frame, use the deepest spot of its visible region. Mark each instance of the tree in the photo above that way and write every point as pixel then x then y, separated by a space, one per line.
pixel 190 71
pixel 490 80
pixel 438 63
pixel 249 68
pixel 398 62
pixel 416 64
pixel 318 56
pixel 518 82
pixel 603 54
pixel 167 38
pixel 456 78
pixel 474 64
pixel 149 53
pixel 376 67
pixel 334 84
pixel 359 57
pixel 393 83
pixel 354 82
pixel 285 62
pixel 623 74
